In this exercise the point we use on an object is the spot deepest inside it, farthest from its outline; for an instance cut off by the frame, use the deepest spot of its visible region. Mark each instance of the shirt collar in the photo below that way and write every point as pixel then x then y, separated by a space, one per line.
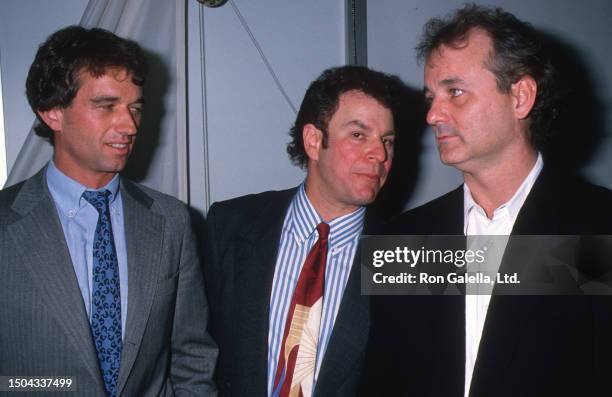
pixel 304 219
pixel 67 192
pixel 513 206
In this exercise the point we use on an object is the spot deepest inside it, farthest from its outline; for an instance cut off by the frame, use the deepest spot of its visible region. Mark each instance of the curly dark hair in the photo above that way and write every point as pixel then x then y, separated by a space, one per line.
pixel 53 76
pixel 518 50
pixel 322 96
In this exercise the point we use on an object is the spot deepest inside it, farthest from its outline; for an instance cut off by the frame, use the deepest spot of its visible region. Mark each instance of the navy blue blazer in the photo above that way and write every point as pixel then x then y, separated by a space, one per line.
pixel 530 346
pixel 241 244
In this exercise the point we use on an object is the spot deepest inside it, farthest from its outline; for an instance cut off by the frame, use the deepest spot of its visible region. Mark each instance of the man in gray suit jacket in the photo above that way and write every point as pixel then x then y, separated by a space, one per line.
pixel 99 277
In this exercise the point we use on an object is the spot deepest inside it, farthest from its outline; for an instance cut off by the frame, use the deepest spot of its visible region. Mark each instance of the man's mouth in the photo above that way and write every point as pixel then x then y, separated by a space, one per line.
pixel 444 137
pixel 373 177
pixel 122 149
pixel 443 134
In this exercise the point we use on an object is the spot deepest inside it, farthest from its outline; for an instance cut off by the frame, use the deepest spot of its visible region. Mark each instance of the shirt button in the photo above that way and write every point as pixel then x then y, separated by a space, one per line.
pixel 71 213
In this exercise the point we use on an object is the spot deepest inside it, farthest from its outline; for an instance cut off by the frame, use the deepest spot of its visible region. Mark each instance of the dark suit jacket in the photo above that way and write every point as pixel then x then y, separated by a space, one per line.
pixel 242 241
pixel 44 329
pixel 530 346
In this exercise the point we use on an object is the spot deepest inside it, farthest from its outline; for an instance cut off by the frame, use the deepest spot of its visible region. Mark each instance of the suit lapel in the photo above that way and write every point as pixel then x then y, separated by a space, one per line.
pixel 48 262
pixel 447 217
pixel 540 212
pixel 442 324
pixel 508 316
pixel 506 322
pixel 349 336
pixel 257 246
pixel 144 241
pixel 440 327
pixel 445 314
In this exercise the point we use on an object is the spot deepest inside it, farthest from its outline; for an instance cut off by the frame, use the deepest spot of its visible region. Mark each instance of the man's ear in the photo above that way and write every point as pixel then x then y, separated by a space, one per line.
pixel 53 118
pixel 524 92
pixel 313 141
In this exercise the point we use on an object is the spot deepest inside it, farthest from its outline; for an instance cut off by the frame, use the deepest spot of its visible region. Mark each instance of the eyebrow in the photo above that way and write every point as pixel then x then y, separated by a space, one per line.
pixel 452 80
pixel 357 123
pixel 363 126
pixel 111 99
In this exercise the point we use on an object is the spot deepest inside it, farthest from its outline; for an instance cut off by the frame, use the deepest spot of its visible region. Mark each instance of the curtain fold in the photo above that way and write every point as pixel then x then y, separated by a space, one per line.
pixel 160 156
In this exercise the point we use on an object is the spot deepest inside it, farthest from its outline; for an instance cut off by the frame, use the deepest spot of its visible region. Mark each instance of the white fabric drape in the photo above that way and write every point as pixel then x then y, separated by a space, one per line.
pixel 160 158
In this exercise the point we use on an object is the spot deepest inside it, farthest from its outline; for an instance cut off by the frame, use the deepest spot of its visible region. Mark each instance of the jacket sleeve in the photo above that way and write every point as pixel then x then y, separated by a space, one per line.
pixel 194 353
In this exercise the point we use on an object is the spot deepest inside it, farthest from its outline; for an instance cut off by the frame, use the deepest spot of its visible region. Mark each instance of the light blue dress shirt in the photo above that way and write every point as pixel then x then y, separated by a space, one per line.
pixel 79 219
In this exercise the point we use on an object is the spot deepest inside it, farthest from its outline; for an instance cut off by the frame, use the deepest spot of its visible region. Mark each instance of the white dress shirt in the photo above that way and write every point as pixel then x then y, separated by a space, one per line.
pixel 476 223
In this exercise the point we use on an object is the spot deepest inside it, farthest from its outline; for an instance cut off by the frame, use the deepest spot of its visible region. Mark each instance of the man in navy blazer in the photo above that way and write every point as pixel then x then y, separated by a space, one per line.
pixel 491 92
pixel 343 136
pixel 132 261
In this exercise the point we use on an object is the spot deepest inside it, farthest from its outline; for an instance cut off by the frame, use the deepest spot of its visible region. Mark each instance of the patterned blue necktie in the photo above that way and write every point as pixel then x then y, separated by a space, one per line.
pixel 106 298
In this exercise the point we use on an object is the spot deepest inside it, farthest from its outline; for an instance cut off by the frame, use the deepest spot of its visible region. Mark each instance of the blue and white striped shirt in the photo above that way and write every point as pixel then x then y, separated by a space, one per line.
pixel 298 236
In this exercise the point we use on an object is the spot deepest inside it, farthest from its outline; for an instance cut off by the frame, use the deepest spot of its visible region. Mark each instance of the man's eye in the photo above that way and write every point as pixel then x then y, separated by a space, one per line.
pixel 356 134
pixel 454 92
pixel 389 141
pixel 136 110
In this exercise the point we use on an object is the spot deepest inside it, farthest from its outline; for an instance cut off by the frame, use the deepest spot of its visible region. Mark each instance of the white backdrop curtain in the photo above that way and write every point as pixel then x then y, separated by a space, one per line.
pixel 160 159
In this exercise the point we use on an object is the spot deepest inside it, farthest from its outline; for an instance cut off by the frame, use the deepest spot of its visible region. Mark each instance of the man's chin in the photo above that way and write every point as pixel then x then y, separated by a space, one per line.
pixel 114 167
pixel 448 159
pixel 366 197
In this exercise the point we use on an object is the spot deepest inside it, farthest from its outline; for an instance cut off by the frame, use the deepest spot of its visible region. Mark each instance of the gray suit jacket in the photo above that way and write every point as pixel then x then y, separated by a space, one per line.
pixel 44 329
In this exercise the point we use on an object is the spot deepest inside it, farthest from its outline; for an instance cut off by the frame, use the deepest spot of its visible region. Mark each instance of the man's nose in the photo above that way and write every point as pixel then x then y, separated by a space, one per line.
pixel 437 112
pixel 378 151
pixel 127 121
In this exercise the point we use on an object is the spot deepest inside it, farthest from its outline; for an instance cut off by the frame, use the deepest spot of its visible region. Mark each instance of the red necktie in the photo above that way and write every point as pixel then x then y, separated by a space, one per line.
pixel 297 360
